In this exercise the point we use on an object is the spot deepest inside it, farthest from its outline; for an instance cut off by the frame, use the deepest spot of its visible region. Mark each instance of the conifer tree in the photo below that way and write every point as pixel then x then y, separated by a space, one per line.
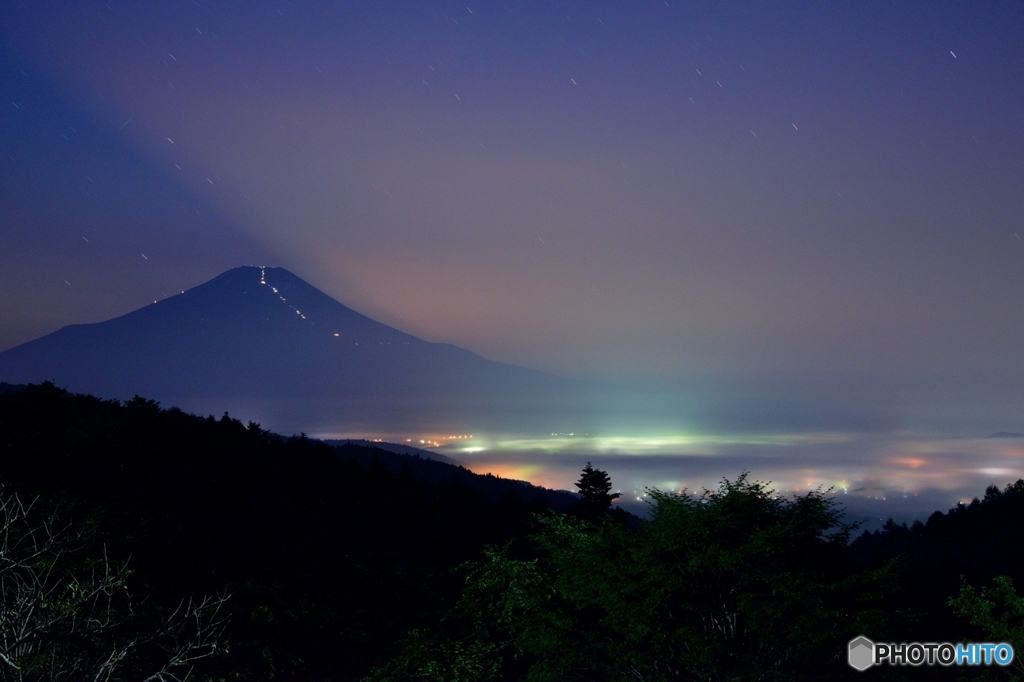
pixel 595 488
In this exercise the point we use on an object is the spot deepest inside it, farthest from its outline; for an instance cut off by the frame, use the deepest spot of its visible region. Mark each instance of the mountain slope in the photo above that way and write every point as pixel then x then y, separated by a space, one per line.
pixel 266 345
pixel 330 554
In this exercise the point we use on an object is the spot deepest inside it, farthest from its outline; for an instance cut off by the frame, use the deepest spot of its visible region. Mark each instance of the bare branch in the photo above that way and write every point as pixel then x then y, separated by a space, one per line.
pixel 60 622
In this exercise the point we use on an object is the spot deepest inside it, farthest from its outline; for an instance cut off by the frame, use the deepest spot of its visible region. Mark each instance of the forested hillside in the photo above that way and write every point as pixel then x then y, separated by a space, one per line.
pixel 329 554
pixel 305 561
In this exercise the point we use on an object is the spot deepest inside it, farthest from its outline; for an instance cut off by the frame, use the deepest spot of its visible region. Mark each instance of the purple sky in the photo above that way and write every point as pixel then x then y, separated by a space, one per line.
pixel 797 216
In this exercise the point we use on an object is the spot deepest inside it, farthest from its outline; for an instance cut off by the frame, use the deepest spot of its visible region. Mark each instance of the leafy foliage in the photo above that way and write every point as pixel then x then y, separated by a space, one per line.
pixel 999 611
pixel 342 559
pixel 973 542
pixel 736 583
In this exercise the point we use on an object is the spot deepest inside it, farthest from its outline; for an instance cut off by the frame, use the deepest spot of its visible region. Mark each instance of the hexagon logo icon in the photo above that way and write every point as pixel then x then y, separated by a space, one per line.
pixel 861 653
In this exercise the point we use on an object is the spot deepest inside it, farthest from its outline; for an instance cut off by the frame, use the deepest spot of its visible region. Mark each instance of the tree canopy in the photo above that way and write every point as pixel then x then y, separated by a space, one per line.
pixel 596 488
pixel 342 559
pixel 733 583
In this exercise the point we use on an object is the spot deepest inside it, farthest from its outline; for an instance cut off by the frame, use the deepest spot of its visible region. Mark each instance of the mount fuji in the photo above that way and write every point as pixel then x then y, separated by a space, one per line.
pixel 265 345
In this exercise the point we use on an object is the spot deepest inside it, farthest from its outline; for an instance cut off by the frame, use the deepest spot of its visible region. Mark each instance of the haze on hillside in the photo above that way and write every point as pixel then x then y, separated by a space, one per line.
pixel 260 343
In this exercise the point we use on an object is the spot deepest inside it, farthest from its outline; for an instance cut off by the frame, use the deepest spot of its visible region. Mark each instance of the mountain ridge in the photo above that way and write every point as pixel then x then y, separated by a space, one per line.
pixel 260 341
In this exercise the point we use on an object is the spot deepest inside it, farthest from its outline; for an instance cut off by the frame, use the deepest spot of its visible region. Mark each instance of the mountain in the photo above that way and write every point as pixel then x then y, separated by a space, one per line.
pixel 394 448
pixel 265 345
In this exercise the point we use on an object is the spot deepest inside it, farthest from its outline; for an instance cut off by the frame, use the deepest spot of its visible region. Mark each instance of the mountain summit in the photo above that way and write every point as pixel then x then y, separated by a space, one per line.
pixel 266 345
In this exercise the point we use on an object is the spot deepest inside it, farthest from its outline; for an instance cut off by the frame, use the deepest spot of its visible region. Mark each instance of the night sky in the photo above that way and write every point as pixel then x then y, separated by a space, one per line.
pixel 803 220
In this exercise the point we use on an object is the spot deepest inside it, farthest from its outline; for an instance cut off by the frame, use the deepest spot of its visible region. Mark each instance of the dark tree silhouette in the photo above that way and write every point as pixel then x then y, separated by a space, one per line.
pixel 324 578
pixel 595 488
pixel 737 583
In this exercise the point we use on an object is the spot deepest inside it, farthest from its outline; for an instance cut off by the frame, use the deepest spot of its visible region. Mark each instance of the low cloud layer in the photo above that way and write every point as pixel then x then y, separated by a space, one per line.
pixel 904 476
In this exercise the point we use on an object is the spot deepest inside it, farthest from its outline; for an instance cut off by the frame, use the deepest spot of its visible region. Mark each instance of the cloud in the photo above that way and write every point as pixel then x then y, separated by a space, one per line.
pixel 908 476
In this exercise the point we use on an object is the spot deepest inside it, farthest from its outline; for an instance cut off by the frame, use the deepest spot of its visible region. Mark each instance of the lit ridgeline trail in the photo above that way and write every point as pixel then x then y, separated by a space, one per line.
pixel 263 281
